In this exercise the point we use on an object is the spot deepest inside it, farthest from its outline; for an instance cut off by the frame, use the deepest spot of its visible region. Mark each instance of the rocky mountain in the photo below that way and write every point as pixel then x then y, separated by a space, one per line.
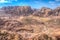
pixel 29 24
pixel 17 10
pixel 45 12
pixel 27 10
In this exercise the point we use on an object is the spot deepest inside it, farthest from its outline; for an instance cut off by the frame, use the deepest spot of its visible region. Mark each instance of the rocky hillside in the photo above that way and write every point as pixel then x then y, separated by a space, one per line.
pixel 25 23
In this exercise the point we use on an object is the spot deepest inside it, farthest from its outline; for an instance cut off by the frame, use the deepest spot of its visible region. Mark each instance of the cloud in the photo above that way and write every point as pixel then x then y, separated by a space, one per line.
pixel 57 0
pixel 36 1
pixel 52 2
pixel 4 1
pixel 7 1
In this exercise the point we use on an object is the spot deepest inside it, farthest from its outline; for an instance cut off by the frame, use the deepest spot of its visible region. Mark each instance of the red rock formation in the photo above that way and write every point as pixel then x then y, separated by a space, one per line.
pixel 18 10
pixel 27 10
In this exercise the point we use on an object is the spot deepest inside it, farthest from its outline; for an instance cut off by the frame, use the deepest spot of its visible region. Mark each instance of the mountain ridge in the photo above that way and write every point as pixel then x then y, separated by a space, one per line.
pixel 27 10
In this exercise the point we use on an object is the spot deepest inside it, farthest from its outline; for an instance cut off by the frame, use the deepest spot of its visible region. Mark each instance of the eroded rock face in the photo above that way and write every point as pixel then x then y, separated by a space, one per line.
pixel 27 10
pixel 18 10
pixel 43 12
pixel 46 11
pixel 38 13
pixel 10 24
pixel 57 11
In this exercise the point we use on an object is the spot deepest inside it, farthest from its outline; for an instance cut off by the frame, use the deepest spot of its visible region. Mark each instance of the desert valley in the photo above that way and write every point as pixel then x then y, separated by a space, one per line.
pixel 26 23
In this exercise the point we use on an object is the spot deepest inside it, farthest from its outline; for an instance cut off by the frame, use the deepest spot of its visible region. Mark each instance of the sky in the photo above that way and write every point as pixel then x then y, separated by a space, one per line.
pixel 32 3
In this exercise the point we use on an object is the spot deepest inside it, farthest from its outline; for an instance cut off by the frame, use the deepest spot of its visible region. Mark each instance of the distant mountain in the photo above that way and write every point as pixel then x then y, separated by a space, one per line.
pixel 3 14
pixel 17 10
pixel 27 10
